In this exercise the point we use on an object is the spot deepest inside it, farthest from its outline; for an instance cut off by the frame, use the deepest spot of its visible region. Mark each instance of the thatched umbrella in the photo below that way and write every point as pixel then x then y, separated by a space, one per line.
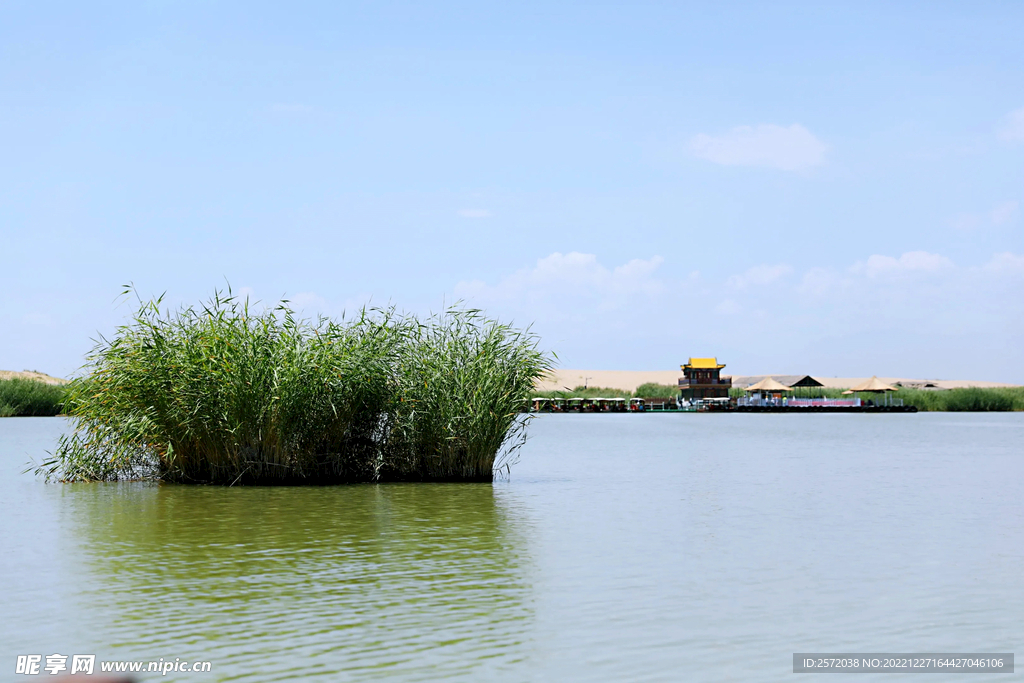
pixel 873 386
pixel 768 384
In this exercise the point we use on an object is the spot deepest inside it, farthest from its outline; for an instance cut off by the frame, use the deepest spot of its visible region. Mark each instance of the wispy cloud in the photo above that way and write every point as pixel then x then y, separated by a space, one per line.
pixel 308 304
pixel 910 263
pixel 966 221
pixel 36 318
pixel 1012 127
pixel 290 108
pixel 1003 213
pixel 573 300
pixel 788 148
pixel 728 307
pixel 309 301
pixel 1000 214
pixel 575 275
pixel 474 213
pixel 761 275
pixel 818 282
pixel 1006 262
pixel 809 315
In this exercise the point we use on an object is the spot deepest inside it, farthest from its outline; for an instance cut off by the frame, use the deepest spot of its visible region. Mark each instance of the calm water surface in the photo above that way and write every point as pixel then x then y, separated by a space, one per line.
pixel 624 547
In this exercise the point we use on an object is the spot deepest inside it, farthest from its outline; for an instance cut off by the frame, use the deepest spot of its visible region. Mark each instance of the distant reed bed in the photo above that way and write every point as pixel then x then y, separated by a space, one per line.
pixel 968 399
pixel 583 392
pixel 654 390
pixel 29 398
pixel 648 390
pixel 224 394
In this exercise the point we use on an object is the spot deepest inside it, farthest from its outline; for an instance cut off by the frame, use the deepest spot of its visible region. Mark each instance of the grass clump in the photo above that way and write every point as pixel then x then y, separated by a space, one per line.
pixel 29 398
pixel 222 394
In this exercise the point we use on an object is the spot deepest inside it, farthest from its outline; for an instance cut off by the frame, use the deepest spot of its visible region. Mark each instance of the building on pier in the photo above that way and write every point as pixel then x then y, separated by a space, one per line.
pixel 791 381
pixel 702 380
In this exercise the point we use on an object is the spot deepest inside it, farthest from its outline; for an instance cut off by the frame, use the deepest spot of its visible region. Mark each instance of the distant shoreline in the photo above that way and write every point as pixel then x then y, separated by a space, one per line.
pixel 629 380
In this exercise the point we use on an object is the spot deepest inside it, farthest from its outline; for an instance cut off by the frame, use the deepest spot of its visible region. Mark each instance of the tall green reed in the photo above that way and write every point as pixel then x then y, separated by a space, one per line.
pixel 463 380
pixel 224 394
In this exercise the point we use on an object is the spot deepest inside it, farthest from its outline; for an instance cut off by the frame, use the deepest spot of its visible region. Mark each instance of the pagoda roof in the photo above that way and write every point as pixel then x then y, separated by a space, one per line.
pixel 704 364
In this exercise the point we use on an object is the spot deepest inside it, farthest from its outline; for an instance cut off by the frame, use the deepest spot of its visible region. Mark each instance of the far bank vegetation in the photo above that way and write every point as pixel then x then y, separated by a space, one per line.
pixel 649 390
pixel 954 400
pixel 973 399
pixel 30 398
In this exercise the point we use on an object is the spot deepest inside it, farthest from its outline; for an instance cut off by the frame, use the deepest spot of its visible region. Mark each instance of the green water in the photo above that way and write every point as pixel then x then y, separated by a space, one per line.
pixel 378 576
pixel 662 547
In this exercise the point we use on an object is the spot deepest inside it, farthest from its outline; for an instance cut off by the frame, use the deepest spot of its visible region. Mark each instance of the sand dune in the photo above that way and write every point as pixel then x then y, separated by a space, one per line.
pixel 629 380
pixel 31 374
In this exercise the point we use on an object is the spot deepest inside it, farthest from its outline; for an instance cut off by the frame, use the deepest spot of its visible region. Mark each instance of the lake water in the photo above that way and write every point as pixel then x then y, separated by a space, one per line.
pixel 624 547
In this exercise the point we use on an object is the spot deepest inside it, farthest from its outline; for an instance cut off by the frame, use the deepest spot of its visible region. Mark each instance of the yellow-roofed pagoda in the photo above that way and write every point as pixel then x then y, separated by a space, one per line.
pixel 702 380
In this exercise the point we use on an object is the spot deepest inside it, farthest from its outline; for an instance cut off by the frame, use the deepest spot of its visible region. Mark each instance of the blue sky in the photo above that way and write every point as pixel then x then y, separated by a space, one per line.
pixel 793 187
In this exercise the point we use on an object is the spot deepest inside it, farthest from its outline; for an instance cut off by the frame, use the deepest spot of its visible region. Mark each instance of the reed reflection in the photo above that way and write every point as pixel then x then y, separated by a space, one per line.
pixel 421 580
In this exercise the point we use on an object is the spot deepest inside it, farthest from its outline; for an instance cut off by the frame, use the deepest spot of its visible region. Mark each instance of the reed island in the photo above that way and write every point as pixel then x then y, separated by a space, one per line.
pixel 223 394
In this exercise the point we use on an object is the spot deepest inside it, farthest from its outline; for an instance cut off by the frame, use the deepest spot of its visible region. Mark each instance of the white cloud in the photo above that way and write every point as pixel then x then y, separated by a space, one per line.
pixel 1012 128
pixel 574 274
pixel 759 276
pixel 912 262
pixel 1003 213
pixel 790 148
pixel 474 213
